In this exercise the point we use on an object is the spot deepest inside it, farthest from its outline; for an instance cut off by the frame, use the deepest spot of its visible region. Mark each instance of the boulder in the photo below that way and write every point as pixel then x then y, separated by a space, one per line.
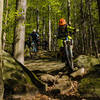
pixel 86 61
pixel 47 78
pixel 89 86
pixel 17 78
pixel 80 72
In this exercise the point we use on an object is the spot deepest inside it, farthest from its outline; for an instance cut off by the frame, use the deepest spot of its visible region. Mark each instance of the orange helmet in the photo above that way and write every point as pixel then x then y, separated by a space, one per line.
pixel 62 21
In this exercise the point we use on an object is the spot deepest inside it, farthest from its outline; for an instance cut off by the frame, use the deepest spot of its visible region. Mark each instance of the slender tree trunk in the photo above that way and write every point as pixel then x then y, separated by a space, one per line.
pixel 74 6
pixel 98 2
pixel 4 34
pixel 96 47
pixel 76 35
pixel 93 40
pixel 44 25
pixel 88 31
pixel 44 35
pixel 1 68
pixel 37 18
pixel 91 28
pixel 68 7
pixel 20 31
pixel 49 29
pixel 82 27
pixel 54 37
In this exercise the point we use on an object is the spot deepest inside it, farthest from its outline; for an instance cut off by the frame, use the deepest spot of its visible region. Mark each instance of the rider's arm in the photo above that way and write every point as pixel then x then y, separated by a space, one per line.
pixel 37 37
pixel 71 29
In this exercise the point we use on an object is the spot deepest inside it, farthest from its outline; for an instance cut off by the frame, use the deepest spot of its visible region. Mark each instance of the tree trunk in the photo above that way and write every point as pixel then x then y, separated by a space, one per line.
pixel 54 37
pixel 82 27
pixel 49 29
pixel 19 36
pixel 1 74
pixel 93 40
pixel 75 13
pixel 68 7
pixel 44 35
pixel 37 18
pixel 4 34
pixel 91 28
pixel 75 35
pixel 98 2
pixel 96 47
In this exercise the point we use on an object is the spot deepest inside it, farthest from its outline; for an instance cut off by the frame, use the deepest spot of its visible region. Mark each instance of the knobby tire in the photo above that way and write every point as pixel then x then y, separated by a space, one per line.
pixel 68 57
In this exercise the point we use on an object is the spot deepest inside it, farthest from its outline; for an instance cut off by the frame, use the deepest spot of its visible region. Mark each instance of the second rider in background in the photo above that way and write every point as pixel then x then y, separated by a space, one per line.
pixel 34 39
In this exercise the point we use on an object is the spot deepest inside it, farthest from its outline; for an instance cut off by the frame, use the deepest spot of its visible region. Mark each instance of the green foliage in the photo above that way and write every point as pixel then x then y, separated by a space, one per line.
pixel 9 20
pixel 59 8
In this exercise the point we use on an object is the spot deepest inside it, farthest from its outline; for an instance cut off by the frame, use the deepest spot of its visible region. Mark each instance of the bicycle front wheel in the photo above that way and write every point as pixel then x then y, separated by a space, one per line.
pixel 68 57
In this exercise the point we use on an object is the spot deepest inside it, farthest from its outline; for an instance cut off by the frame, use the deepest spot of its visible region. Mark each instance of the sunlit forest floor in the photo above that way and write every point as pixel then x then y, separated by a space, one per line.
pixel 54 74
pixel 44 61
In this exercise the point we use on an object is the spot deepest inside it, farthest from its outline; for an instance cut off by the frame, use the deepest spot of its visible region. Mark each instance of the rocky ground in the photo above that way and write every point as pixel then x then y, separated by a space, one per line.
pixel 54 74
pixel 59 84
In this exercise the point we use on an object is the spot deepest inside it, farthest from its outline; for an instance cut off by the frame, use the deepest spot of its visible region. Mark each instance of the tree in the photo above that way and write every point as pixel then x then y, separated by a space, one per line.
pixel 93 40
pixel 75 12
pixel 68 7
pixel 82 26
pixel 49 8
pixel 4 34
pixel 37 18
pixel 20 31
pixel 98 3
pixel 1 74
pixel 44 37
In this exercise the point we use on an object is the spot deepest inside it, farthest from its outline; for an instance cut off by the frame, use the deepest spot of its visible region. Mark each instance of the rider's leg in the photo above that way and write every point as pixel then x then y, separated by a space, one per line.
pixel 62 54
pixel 60 45
pixel 35 49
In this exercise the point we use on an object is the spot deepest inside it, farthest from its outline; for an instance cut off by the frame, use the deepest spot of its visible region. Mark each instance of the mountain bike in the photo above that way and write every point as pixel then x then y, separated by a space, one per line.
pixel 68 53
pixel 32 48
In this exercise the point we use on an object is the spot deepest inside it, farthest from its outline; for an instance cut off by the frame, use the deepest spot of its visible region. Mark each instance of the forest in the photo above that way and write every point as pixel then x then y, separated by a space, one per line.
pixel 44 75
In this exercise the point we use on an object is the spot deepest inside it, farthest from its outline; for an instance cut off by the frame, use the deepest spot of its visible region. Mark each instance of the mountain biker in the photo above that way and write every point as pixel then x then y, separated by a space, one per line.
pixel 64 30
pixel 34 39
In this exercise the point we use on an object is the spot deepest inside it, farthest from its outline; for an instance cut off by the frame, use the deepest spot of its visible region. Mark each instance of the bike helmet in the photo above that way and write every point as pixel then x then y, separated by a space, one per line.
pixel 62 21
pixel 34 30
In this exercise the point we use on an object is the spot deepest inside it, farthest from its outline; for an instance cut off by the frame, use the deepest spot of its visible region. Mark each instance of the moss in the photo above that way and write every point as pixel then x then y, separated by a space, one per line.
pixel 90 84
pixel 28 79
pixel 86 61
pixel 16 76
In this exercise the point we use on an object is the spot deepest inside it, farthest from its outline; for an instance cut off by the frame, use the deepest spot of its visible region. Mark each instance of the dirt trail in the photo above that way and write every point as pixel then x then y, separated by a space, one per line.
pixel 50 71
pixel 44 62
